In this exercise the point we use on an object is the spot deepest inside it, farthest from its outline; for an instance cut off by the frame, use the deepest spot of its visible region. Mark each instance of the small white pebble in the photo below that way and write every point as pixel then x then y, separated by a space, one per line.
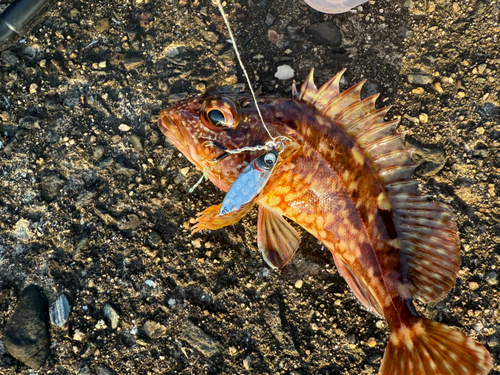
pixel 284 72
pixel 171 302
pixel 124 127
pixel 151 283
pixel 298 284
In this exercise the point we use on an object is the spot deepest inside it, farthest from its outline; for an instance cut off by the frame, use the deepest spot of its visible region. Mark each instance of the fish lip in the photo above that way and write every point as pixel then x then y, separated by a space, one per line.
pixel 174 133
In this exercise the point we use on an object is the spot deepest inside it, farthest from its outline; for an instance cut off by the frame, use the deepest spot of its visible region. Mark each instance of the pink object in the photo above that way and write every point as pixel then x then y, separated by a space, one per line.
pixel 334 6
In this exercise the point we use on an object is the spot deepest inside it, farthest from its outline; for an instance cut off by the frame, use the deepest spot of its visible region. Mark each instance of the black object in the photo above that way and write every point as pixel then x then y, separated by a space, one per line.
pixel 18 18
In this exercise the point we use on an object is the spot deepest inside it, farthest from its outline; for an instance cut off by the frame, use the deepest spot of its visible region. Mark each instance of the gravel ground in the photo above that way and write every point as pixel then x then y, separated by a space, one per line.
pixel 94 202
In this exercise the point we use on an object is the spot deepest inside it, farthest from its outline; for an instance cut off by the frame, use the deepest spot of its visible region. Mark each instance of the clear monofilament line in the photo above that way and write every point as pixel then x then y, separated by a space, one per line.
pixel 242 66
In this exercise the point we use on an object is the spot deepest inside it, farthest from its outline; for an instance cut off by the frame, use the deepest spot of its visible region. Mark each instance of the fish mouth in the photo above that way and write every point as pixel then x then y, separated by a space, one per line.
pixel 171 126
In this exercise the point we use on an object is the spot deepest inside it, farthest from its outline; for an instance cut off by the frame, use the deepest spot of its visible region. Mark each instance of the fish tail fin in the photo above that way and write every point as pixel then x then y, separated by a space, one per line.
pixel 432 348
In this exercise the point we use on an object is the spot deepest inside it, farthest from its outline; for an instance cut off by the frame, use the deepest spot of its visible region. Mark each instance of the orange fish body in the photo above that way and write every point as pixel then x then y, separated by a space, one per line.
pixel 345 177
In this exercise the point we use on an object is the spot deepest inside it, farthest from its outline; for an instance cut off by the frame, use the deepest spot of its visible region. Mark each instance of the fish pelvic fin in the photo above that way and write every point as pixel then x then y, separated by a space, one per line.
pixel 431 348
pixel 210 219
pixel 277 239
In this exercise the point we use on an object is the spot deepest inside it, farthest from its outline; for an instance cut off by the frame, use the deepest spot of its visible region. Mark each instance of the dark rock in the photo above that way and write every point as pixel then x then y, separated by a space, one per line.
pixel 325 33
pixel 270 19
pixel 133 60
pixel 197 338
pixel 9 58
pixel 51 183
pixel 488 110
pixel 127 338
pixel 26 335
pixel 102 25
pixel 495 134
pixel 103 370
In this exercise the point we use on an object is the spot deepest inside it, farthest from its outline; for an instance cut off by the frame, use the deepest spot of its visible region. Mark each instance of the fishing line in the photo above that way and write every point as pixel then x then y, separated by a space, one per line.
pixel 273 143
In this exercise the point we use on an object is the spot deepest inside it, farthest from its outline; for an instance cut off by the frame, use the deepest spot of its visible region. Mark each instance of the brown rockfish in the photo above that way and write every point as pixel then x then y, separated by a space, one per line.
pixel 344 175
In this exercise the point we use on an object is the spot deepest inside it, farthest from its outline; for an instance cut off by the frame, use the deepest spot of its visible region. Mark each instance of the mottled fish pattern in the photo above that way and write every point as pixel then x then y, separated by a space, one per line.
pixel 345 177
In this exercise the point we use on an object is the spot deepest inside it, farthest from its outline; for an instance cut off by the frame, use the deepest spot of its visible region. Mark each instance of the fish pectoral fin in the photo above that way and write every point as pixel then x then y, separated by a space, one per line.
pixel 210 219
pixel 276 238
pixel 432 348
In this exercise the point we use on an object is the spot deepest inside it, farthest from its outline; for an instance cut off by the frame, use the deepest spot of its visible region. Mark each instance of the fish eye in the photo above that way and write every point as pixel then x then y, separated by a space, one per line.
pixel 220 113
pixel 216 117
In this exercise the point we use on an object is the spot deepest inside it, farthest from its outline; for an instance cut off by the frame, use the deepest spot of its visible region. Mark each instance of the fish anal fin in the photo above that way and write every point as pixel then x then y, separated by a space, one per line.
pixel 210 219
pixel 308 89
pixel 276 238
pixel 430 348
pixel 361 292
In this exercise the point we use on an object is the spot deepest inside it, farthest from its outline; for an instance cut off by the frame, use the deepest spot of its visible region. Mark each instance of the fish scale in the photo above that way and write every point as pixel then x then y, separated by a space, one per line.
pixel 345 177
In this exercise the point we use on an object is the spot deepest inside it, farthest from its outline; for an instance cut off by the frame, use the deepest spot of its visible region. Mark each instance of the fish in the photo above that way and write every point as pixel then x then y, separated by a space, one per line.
pixel 343 175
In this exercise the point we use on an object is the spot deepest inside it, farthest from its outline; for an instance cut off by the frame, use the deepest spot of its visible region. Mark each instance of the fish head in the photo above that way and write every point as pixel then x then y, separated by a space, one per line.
pixel 203 126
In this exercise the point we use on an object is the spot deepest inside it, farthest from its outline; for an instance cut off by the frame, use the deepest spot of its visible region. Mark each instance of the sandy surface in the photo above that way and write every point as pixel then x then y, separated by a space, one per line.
pixel 94 202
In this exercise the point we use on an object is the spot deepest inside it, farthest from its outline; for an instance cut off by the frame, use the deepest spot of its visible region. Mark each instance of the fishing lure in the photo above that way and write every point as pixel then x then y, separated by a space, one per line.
pixel 249 183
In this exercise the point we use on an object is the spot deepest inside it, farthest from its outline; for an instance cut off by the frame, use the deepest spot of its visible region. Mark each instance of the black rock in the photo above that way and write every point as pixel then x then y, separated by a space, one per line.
pixel 51 184
pixel 325 33
pixel 26 334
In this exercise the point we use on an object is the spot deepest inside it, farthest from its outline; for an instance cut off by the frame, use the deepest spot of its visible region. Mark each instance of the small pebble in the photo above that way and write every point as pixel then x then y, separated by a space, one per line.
pixel 418 91
pixel 151 284
pixel 171 302
pixel 284 72
pixel 124 127
pixel 78 335
pixel 111 315
pixel 184 171
pixel 246 362
pixel 298 284
pixel 419 79
pixel 5 116
pixel 273 36
pixel 473 285
pixel 153 330
pixel 438 88
pixel 371 342
pixel 423 118
pixel 60 310
pixel 491 278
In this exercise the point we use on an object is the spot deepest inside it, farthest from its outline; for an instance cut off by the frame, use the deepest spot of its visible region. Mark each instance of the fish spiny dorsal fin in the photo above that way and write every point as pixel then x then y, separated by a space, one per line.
pixel 366 122
pixel 427 233
pixel 308 89
pixel 295 93
pixel 343 100
pixel 356 110
pixel 327 92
